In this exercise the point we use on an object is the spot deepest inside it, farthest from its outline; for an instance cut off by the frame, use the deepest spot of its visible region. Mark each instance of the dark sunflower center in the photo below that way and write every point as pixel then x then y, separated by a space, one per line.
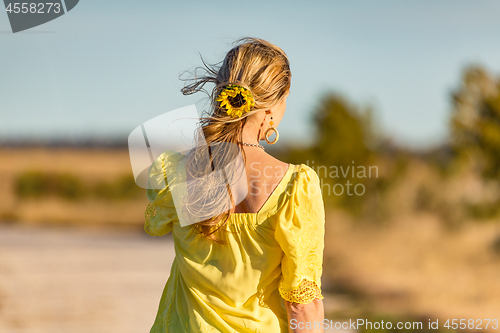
pixel 237 101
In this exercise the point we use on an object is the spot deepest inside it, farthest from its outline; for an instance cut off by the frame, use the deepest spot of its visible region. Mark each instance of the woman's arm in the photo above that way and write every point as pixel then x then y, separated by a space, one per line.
pixel 299 315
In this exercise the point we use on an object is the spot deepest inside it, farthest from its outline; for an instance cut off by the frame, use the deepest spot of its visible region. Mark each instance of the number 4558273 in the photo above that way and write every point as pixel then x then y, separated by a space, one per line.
pixel 39 8
pixel 471 324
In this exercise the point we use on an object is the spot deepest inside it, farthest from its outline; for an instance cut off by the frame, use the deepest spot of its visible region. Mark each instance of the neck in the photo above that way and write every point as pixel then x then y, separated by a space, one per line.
pixel 250 131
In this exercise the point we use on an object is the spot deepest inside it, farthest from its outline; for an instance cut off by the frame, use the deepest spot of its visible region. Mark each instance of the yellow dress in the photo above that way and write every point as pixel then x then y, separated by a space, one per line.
pixel 273 255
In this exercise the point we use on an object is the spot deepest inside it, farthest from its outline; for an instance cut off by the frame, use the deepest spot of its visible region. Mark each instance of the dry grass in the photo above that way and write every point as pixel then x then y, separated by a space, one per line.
pixel 413 266
pixel 90 165
pixel 426 260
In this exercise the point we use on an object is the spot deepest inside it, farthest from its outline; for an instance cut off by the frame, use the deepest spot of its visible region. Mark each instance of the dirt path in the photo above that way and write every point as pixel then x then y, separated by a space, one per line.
pixel 80 281
pixel 73 281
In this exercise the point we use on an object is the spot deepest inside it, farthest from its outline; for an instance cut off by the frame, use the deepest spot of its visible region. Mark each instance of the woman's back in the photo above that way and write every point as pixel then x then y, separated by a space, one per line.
pixel 270 255
pixel 263 174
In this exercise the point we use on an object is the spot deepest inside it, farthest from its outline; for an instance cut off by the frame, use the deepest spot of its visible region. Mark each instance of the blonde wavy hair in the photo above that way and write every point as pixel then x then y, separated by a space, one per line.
pixel 255 64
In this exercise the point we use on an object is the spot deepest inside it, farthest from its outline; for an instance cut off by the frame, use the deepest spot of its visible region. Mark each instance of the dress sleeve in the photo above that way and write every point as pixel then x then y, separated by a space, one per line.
pixel 160 212
pixel 300 230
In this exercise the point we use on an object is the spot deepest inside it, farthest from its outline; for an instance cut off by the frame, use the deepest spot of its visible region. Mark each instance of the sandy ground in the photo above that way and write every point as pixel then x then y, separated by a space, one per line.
pixel 80 281
pixel 72 281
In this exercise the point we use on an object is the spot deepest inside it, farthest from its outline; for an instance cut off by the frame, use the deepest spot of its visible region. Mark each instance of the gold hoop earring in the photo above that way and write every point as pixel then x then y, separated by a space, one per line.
pixel 269 131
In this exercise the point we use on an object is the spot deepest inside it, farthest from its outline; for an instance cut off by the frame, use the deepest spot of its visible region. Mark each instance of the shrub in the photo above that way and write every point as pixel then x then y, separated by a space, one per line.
pixel 36 184
pixel 122 188
pixel 32 184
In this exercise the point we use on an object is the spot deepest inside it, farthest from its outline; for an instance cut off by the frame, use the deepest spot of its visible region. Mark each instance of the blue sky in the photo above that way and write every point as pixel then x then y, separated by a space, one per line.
pixel 108 66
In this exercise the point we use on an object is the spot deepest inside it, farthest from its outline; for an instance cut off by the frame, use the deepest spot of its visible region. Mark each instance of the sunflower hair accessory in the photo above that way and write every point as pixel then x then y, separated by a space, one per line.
pixel 236 100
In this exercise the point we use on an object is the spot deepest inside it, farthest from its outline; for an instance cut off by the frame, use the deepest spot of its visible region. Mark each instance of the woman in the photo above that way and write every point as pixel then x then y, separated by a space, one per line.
pixel 257 266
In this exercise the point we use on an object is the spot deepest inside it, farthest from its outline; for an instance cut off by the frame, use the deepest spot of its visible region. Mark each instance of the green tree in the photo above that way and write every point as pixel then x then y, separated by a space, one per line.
pixel 341 132
pixel 475 132
pixel 475 121
pixel 344 140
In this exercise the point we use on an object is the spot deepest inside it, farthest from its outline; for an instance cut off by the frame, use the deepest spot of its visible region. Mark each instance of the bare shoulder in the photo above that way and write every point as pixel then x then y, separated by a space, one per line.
pixel 266 162
pixel 277 163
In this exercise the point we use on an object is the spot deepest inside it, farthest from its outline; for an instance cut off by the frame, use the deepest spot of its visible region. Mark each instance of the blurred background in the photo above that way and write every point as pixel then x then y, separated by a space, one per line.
pixel 395 104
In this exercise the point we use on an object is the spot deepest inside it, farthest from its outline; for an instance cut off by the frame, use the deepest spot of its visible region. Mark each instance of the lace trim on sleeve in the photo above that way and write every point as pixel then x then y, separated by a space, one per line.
pixel 305 293
pixel 150 212
pixel 148 215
